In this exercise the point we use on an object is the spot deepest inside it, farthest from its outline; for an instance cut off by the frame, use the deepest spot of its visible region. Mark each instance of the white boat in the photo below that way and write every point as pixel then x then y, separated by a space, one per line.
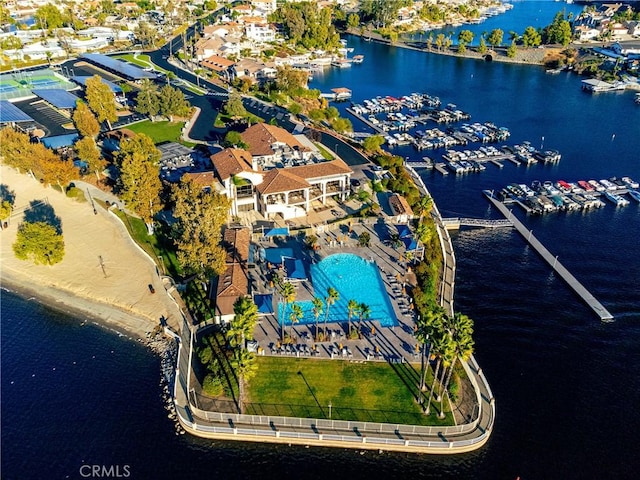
pixel 342 63
pixel 608 185
pixel 635 195
pixel 616 199
pixel 631 183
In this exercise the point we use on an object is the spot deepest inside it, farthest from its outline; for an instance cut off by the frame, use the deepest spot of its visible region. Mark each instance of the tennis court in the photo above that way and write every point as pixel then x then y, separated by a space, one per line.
pixel 20 83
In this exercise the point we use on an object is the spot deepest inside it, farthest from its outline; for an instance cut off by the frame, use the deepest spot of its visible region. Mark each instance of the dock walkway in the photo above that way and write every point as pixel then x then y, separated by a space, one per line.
pixel 552 260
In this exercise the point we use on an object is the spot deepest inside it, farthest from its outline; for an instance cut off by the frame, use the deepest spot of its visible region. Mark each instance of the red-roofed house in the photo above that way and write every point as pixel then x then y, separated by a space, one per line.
pixel 233 283
pixel 269 144
pixel 253 184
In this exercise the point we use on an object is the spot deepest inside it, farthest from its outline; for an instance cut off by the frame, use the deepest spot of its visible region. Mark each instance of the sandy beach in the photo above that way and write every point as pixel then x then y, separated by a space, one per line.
pixel 119 295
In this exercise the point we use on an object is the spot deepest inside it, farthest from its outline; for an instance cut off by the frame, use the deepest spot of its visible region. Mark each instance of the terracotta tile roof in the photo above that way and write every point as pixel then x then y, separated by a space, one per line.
pixel 399 205
pixel 234 281
pixel 236 243
pixel 205 179
pixel 280 180
pixel 217 63
pixel 231 161
pixel 261 136
pixel 231 285
pixel 322 169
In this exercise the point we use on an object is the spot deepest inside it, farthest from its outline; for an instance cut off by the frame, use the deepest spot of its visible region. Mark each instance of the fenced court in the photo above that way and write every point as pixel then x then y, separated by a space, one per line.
pixel 20 83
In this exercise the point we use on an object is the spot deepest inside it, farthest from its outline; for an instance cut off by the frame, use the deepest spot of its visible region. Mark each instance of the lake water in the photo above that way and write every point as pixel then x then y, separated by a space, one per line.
pixel 566 384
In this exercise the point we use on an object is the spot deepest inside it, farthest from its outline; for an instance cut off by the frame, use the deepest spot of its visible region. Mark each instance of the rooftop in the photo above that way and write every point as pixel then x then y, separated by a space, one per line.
pixel 231 161
pixel 118 66
pixel 261 137
pixel 9 113
pixel 57 97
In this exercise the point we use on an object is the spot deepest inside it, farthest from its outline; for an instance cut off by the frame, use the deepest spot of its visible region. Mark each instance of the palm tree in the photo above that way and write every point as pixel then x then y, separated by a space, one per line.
pixel 441 347
pixel 426 327
pixel 364 312
pixel 332 297
pixel 288 293
pixel 243 362
pixel 461 331
pixel 244 321
pixel 317 311
pixel 295 315
pixel 352 306
pixel 448 356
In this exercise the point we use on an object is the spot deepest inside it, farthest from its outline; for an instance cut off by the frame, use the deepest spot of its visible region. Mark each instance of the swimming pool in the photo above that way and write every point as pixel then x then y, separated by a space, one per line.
pixel 355 279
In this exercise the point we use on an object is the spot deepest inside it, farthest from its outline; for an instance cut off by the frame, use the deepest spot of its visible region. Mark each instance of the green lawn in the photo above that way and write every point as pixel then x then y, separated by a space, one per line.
pixel 163 131
pixel 152 244
pixel 357 391
pixel 324 152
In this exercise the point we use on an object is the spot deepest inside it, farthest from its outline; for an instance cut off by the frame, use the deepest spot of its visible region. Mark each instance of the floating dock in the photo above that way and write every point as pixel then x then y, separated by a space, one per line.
pixel 552 260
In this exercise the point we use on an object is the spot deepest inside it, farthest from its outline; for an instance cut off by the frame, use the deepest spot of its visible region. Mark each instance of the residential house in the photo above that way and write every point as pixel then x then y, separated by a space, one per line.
pixel 271 145
pixel 275 176
pixel 260 33
pixel 235 171
pixel 618 31
pixel 290 192
pixel 609 9
pixel 207 47
pixel 585 32
pixel 220 65
pixel 266 6
pixel 253 69
pixel 233 283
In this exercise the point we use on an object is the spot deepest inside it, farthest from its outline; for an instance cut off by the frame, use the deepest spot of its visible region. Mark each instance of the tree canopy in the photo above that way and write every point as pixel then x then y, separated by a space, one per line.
pixel 372 143
pixel 39 242
pixel 381 12
pixel 495 37
pixel 200 216
pixel 19 152
pixel 465 37
pixel 148 98
pixel 306 25
pixel 559 31
pixel 49 17
pixel 234 106
pixel 139 182
pixel 173 103
pixel 531 37
pixel 101 100
pixel 85 121
pixel 87 151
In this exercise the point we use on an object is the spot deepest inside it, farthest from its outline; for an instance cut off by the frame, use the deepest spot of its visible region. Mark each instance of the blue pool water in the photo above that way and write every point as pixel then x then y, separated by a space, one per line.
pixel 355 279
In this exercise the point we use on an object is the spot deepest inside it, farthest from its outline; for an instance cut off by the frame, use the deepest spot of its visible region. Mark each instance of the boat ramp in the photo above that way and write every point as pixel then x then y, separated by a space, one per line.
pixel 552 260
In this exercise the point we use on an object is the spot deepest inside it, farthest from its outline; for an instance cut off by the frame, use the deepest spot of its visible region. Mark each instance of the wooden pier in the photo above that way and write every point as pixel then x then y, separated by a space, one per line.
pixel 441 167
pixel 552 260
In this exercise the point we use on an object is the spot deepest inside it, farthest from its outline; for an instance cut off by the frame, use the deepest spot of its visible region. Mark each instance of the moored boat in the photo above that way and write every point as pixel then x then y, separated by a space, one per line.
pixel 616 199
pixel 635 195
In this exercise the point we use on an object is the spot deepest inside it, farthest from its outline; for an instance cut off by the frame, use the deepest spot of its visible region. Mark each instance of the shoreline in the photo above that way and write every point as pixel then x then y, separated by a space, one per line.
pixel 117 295
pixel 114 319
pixel 469 54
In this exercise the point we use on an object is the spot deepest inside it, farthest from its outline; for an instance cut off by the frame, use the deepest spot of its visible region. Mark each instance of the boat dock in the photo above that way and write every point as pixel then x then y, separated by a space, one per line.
pixel 552 260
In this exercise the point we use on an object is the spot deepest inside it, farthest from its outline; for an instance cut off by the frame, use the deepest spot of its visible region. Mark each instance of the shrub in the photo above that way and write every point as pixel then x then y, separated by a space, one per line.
pixel 212 385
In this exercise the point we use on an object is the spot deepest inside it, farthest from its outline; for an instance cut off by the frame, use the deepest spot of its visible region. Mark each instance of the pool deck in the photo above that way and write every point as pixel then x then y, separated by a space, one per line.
pixel 394 344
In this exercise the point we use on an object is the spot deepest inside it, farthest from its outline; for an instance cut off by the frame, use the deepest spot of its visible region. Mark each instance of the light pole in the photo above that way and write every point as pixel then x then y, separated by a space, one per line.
pixel 330 409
